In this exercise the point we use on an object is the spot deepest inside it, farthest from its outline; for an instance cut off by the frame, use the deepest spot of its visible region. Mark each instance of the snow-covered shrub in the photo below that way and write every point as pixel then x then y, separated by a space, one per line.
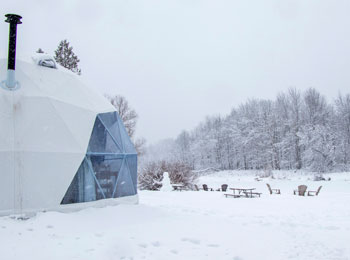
pixel 151 174
pixel 181 173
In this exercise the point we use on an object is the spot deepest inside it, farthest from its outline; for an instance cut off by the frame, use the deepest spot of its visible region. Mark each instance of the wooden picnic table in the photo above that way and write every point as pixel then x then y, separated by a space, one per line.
pixel 240 190
pixel 248 192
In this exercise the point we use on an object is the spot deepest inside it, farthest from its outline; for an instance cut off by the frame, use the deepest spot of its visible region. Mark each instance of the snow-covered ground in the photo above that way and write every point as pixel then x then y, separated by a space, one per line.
pixel 196 225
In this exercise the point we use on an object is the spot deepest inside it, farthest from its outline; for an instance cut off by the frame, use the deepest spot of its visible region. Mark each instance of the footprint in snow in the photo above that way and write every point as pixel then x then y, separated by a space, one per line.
pixel 143 245
pixel 49 226
pixel 174 251
pixel 29 229
pixel 156 243
pixel 191 240
pixel 213 245
pixel 331 228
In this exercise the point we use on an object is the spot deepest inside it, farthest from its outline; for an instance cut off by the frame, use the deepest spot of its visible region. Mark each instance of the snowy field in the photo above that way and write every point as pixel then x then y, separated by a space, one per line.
pixel 196 225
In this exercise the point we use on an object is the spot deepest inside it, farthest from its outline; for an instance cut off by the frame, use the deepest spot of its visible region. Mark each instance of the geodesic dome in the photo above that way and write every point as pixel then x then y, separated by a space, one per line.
pixel 60 143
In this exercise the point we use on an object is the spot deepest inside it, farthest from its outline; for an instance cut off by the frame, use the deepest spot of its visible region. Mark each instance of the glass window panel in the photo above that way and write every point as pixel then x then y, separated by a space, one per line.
pixel 110 120
pixel 125 186
pixel 127 144
pixel 82 188
pixel 106 170
pixel 89 184
pixel 101 141
pixel 131 161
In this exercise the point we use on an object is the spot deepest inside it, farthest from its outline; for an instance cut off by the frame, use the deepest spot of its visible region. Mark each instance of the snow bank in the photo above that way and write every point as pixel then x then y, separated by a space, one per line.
pixel 195 225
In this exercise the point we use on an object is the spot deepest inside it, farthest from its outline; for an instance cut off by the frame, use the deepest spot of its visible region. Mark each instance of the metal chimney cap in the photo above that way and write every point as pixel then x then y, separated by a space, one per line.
pixel 13 18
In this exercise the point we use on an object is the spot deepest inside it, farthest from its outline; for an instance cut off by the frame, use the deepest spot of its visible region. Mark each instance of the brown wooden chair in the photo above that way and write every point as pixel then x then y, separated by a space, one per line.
pixel 205 187
pixel 224 187
pixel 301 190
pixel 314 193
pixel 276 191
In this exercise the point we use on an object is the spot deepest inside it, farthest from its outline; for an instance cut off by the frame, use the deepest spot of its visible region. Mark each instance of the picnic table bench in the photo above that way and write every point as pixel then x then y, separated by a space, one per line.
pixel 252 194
pixel 232 195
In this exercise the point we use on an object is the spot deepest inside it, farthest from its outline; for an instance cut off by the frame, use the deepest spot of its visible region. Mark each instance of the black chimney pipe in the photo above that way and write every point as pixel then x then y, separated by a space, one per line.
pixel 13 20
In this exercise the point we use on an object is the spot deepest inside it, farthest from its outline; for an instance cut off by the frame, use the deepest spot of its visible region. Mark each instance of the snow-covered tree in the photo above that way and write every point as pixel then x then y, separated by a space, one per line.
pixel 342 116
pixel 183 149
pixel 296 130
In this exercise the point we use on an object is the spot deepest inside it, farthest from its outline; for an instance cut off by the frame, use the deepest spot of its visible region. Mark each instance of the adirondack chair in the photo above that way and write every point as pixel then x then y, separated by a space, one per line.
pixel 276 191
pixel 314 193
pixel 224 187
pixel 205 187
pixel 301 190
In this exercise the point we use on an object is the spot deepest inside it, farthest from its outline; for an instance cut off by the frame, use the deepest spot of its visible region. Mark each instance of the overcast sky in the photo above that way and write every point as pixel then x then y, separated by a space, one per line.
pixel 178 61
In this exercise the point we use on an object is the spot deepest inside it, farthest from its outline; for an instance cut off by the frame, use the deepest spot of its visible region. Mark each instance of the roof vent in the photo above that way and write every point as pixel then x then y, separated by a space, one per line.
pixel 45 60
pixel 48 63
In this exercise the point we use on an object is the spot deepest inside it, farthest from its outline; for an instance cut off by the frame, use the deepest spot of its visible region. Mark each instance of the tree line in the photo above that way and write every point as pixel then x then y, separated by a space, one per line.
pixel 297 130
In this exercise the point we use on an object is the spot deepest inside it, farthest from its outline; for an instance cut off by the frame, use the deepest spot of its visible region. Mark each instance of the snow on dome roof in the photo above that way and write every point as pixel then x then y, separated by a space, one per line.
pixel 60 84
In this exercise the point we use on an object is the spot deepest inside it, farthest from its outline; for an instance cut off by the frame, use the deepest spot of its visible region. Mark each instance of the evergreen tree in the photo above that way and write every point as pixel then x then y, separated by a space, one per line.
pixel 65 56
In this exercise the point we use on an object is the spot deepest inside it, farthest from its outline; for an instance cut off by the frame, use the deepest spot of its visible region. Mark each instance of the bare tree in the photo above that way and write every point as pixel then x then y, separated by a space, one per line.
pixel 126 113
pixel 129 117
pixel 342 104
pixel 140 146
